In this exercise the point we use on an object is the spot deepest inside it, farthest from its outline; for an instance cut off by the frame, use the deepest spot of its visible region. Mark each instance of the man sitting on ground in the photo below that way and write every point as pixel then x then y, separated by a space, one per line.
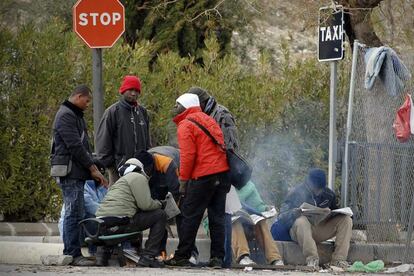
pixel 250 199
pixel 130 196
pixel 291 219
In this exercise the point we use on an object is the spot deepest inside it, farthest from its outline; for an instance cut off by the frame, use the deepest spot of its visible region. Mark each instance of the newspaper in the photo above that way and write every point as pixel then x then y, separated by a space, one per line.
pixel 253 219
pixel 171 208
pixel 316 215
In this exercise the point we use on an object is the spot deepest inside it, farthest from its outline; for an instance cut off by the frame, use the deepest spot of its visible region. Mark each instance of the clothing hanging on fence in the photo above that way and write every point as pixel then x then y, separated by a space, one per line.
pixel 384 63
pixel 404 120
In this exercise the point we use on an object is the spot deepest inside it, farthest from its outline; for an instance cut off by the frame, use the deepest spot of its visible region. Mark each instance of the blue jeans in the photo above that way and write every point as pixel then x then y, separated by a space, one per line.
pixel 72 191
pixel 228 254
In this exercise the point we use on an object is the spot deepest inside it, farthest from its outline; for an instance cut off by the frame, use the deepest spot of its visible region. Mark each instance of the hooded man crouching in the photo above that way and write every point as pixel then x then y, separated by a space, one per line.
pixel 130 196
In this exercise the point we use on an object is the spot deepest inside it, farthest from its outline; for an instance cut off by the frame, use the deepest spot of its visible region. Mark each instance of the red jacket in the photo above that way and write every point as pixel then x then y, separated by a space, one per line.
pixel 199 156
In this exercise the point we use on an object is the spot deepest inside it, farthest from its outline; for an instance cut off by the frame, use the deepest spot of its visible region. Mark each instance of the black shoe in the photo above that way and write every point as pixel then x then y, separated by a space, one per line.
pixel 146 261
pixel 82 261
pixel 103 255
pixel 215 263
pixel 177 262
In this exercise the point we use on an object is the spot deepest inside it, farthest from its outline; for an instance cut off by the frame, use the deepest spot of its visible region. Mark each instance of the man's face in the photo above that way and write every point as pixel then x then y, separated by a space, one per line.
pixel 316 190
pixel 82 101
pixel 178 109
pixel 131 95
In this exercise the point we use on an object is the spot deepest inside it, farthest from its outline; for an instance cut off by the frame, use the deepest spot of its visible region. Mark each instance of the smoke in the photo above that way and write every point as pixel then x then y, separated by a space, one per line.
pixel 281 156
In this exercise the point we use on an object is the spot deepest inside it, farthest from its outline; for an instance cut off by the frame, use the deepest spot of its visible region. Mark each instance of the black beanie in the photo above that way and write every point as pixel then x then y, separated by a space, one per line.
pixel 146 159
pixel 202 94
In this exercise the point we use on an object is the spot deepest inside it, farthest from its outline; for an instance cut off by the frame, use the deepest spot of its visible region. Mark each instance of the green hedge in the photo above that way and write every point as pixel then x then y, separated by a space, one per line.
pixel 282 113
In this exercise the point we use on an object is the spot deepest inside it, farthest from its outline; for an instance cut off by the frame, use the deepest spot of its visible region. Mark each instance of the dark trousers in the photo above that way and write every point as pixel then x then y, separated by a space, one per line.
pixel 228 257
pixel 72 191
pixel 154 220
pixel 205 193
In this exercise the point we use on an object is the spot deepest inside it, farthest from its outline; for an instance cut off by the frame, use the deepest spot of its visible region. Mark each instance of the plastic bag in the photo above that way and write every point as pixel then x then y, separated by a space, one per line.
pixel 374 266
pixel 401 124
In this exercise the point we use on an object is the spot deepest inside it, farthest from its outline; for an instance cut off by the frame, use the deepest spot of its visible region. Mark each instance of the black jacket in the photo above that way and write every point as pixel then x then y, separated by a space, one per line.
pixel 70 137
pixel 165 175
pixel 122 132
pixel 301 194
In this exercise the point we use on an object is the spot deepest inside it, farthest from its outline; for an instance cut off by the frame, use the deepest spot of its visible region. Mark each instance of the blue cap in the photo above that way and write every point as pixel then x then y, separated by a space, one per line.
pixel 317 178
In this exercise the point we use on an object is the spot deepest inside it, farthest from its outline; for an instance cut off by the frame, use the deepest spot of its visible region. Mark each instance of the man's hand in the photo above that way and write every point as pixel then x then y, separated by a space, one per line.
pixel 297 212
pixel 99 165
pixel 183 187
pixel 96 174
pixel 163 204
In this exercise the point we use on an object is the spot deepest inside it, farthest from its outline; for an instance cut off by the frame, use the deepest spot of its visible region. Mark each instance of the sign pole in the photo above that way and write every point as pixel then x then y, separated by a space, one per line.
pixel 332 126
pixel 97 88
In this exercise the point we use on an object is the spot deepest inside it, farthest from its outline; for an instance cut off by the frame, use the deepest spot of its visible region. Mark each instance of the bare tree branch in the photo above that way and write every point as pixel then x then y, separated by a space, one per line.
pixel 206 12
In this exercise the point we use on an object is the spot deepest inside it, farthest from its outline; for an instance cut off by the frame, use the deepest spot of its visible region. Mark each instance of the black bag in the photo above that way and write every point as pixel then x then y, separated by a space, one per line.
pixel 240 170
pixel 60 165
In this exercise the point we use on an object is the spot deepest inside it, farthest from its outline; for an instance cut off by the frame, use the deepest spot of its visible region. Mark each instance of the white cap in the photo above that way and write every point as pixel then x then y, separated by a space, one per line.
pixel 188 100
pixel 130 165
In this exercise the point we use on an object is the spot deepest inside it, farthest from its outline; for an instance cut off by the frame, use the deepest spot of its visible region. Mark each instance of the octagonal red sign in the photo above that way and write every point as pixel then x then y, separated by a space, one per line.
pixel 99 23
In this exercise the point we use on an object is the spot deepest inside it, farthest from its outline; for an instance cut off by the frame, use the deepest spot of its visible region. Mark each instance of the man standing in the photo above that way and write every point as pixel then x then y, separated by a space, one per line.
pixel 130 196
pixel 227 124
pixel 221 114
pixel 291 218
pixel 202 181
pixel 71 151
pixel 124 129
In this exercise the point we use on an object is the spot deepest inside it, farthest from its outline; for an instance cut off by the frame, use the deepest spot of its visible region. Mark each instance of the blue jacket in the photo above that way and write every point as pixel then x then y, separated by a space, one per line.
pixel 93 196
pixel 295 198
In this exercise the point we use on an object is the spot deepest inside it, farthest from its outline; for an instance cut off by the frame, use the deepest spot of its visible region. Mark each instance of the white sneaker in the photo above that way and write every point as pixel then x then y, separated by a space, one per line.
pixel 312 262
pixel 277 262
pixel 193 259
pixel 246 261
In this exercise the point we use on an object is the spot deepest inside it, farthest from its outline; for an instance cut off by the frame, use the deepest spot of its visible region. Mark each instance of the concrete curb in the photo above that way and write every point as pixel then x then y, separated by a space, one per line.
pixel 28 229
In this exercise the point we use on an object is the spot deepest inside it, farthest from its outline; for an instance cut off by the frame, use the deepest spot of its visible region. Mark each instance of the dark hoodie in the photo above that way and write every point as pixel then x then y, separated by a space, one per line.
pixel 300 194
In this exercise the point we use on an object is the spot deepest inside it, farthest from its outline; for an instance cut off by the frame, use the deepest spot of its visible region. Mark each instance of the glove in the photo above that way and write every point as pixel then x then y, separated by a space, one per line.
pixel 163 204
pixel 183 187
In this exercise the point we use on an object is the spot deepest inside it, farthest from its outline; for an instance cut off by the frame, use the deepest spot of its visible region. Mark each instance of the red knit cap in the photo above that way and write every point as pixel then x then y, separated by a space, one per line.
pixel 130 82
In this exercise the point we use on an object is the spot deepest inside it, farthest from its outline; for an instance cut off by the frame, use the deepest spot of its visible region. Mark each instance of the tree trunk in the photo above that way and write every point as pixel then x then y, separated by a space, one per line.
pixel 358 23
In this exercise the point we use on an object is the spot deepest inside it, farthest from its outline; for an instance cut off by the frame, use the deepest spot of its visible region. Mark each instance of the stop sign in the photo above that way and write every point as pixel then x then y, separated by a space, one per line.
pixel 99 22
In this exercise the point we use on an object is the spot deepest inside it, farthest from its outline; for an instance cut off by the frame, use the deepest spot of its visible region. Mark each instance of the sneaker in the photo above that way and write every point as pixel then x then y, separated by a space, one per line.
pixel 277 262
pixel 194 258
pixel 341 264
pixel 246 261
pixel 146 261
pixel 174 261
pixel 215 263
pixel 312 262
pixel 82 261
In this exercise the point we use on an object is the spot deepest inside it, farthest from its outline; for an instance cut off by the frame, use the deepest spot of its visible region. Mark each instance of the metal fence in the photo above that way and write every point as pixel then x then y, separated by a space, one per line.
pixel 379 182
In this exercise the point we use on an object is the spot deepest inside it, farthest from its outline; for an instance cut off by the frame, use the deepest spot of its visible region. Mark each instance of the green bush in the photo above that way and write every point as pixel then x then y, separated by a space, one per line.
pixel 281 113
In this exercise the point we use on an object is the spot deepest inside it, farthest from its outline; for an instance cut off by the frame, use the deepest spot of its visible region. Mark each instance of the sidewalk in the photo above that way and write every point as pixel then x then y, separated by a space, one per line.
pixel 24 243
